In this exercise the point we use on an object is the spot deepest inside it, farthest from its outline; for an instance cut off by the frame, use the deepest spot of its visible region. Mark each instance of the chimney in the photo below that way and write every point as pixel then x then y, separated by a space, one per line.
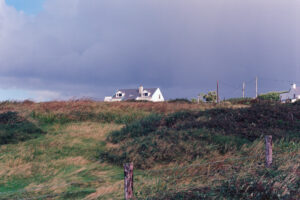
pixel 294 86
pixel 141 89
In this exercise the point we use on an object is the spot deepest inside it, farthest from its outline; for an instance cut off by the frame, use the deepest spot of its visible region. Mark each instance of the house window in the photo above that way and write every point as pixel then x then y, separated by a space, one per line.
pixel 158 96
pixel 119 95
pixel 146 94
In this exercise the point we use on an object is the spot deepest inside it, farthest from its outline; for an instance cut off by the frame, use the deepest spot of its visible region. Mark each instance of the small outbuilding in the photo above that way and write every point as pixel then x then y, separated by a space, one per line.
pixel 139 94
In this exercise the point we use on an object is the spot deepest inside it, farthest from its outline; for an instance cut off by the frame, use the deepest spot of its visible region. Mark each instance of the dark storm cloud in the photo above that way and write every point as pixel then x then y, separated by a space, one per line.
pixel 92 47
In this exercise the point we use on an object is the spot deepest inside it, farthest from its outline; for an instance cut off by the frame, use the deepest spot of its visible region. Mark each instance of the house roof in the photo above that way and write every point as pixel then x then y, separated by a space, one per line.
pixel 294 91
pixel 131 94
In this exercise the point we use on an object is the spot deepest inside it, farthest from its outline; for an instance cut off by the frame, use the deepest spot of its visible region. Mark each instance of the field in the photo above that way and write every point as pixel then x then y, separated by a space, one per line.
pixel 76 149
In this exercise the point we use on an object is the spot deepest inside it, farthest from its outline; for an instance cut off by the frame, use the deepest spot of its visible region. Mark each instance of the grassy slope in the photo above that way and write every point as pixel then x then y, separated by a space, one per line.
pixel 63 163
pixel 184 136
pixel 199 137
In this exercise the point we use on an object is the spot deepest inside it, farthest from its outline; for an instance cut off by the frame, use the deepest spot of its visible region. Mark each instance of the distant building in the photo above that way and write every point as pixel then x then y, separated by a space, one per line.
pixel 139 94
pixel 292 95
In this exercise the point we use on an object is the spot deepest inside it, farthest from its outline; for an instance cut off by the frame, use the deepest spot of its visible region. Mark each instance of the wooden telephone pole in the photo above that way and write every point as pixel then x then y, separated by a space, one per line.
pixel 217 91
pixel 256 87
pixel 243 89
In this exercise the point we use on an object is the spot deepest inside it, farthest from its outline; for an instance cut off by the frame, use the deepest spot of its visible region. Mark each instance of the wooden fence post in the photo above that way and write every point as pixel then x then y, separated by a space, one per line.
pixel 128 180
pixel 268 140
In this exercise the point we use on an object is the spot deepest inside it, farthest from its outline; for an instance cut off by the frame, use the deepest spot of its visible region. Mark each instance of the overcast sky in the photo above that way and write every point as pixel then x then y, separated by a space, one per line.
pixel 55 49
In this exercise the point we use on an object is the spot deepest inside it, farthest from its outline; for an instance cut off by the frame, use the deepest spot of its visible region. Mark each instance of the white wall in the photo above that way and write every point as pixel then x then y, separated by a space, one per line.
pixel 156 95
pixel 290 95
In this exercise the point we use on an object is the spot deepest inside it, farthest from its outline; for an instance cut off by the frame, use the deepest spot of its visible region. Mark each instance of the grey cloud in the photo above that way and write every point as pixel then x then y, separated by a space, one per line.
pixel 92 47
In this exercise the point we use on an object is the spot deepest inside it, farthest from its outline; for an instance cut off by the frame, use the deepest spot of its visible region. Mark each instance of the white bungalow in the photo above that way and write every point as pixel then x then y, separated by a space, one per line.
pixel 292 95
pixel 140 94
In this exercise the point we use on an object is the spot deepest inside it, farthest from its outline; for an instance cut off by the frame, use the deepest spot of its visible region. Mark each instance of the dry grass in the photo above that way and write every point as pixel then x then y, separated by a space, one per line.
pixel 65 160
pixel 93 106
pixel 91 130
pixel 216 169
pixel 105 190
pixel 79 160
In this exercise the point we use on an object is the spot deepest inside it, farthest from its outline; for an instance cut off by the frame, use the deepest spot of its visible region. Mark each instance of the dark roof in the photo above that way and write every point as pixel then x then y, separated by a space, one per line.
pixel 131 94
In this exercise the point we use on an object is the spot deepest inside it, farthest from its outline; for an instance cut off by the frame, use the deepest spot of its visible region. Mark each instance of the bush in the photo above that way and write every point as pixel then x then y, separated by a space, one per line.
pixel 245 187
pixel 251 187
pixel 271 96
pixel 246 101
pixel 165 146
pixel 14 128
pixel 210 96
pixel 136 129
pixel 186 135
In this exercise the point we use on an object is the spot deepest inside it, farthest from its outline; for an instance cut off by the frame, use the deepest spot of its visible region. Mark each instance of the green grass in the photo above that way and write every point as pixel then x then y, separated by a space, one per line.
pixel 191 154
pixel 83 116
pixel 63 163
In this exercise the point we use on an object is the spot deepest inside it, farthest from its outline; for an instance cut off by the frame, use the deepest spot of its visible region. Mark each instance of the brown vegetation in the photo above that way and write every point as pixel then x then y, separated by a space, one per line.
pixel 94 106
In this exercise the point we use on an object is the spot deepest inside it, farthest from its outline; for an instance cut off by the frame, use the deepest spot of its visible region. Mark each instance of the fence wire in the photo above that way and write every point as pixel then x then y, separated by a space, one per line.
pixel 192 176
pixel 180 177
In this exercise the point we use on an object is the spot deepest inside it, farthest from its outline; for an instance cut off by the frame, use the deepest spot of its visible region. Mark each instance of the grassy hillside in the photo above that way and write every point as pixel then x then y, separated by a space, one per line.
pixel 186 135
pixel 75 150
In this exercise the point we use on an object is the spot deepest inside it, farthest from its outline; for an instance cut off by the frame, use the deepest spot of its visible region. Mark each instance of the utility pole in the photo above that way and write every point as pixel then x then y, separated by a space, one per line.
pixel 217 91
pixel 256 86
pixel 243 89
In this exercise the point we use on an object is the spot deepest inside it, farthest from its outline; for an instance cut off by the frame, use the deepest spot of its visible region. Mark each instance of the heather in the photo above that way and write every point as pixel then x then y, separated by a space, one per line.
pixel 75 150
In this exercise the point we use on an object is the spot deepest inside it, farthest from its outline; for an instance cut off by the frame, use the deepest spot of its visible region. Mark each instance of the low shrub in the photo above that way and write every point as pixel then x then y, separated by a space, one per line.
pixel 165 146
pixel 136 129
pixel 14 128
pixel 187 135
pixel 245 101
pixel 266 185
pixel 243 187
pixel 271 96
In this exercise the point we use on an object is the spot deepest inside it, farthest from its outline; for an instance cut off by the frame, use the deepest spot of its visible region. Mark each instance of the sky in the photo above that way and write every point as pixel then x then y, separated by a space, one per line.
pixel 54 49
pixel 30 7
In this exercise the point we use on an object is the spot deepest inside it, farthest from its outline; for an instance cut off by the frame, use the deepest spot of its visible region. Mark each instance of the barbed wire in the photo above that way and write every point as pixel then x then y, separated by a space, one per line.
pixel 220 171
pixel 195 186
pixel 194 175
pixel 201 164
pixel 222 174
pixel 178 168
pixel 221 178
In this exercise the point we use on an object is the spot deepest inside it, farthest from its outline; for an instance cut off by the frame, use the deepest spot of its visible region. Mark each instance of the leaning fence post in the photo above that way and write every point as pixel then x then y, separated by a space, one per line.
pixel 128 180
pixel 268 140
